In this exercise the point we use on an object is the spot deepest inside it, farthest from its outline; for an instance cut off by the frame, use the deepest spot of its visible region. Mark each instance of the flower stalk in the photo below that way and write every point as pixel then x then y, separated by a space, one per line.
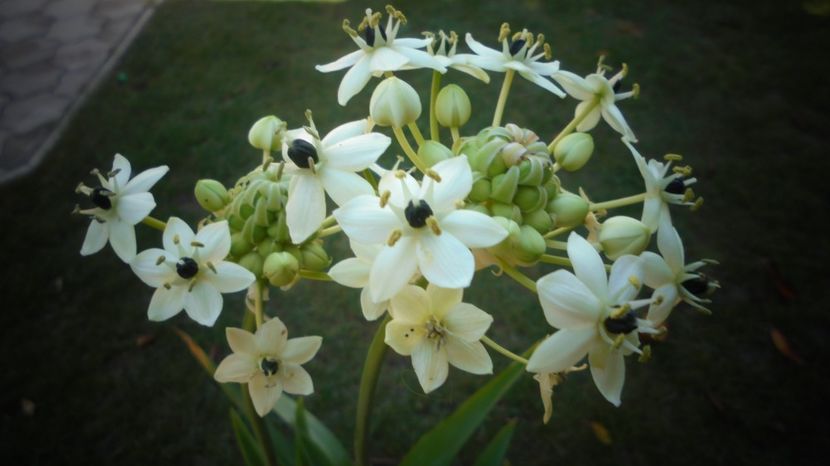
pixel 434 132
pixel 504 351
pixel 573 124
pixel 155 223
pixel 623 201
pixel 519 277
pixel 368 385
pixel 505 91
pixel 408 150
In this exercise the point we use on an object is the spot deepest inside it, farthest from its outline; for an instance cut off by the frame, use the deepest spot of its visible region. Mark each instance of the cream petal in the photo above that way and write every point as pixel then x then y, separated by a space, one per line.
pixel 590 120
pixel 472 70
pixel 468 356
pixel 625 279
pixel 496 64
pixel 442 300
pixel 445 261
pixel 242 341
pixel 306 207
pixel 411 43
pixel 121 164
pixel 371 310
pixel 430 364
pixel 656 271
pixel 145 265
pixel 264 392
pixel 354 80
pixel 96 237
pixel 203 303
pixel 467 322
pixel 671 247
pixel 166 303
pixel 133 208
pixel 393 268
pixel 271 337
pixel 343 186
pixel 665 298
pixel 474 229
pixel 145 180
pixel 351 272
pixel 411 305
pixel 387 59
pixel 403 337
pixel 343 62
pixel 216 238
pixel 345 131
pixel 574 85
pixel 401 190
pixel 295 380
pixel 480 49
pixel 545 69
pixel 542 82
pixel 300 350
pixel 456 182
pixel 652 212
pixel 229 277
pixel 608 371
pixel 176 227
pixel 235 368
pixel 364 252
pixel 566 301
pixel 562 350
pixel 588 265
pixel 615 119
pixel 365 221
pixel 358 152
pixel 122 239
pixel 419 59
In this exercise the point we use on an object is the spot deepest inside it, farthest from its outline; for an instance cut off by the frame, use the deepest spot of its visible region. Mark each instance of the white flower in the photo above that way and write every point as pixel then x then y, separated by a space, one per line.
pixel 269 363
pixel 517 55
pixel 326 165
pixel 421 227
pixel 436 328
pixel 190 272
pixel 380 51
pixel 600 92
pixel 437 47
pixel 672 280
pixel 662 188
pixel 120 203
pixel 354 273
pixel 595 316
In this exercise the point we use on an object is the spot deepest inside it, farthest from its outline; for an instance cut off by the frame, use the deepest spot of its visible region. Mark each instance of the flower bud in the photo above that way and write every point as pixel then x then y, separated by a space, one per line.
pixel 552 187
pixel 280 268
pixel 239 247
pixel 452 107
pixel 211 195
pixel 532 172
pixel 504 186
pixel 480 208
pixel 394 103
pixel 539 220
pixel 530 198
pixel 530 245
pixel 253 262
pixel 267 133
pixel 267 246
pixel 314 257
pixel 623 235
pixel 432 152
pixel 481 189
pixel 569 210
pixel 574 151
pixel 508 211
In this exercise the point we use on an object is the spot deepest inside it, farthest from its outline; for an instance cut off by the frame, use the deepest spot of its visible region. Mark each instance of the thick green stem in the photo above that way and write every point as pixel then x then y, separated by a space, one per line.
pixel 573 124
pixel 153 222
pixel 368 384
pixel 258 426
pixel 505 91
pixel 623 201
pixel 434 132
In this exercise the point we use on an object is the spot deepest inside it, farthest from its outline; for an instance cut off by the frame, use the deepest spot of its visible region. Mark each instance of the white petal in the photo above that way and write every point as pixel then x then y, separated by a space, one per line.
pixel 241 341
pixel 542 82
pixel 354 80
pixel 343 186
pixel 300 350
pixel 216 238
pixel 358 152
pixel 590 120
pixel 496 64
pixel 271 337
pixel 411 305
pixel 443 300
pixel 480 49
pixel 145 180
pixel 386 59
pixel 588 265
pixel 306 207
pixel 403 337
pixel 364 252
pixel 472 70
pixel 608 370
pixel 615 119
pixel 562 350
pixel 668 297
pixel 235 368
pixel 393 268
pixel 652 212
pixel 166 303
pixel 430 365
pixel 656 271
pixel 146 267
pixel 574 85
pixel 566 301
pixel 401 190
pixel 343 62
pixel 203 303
pixel 264 393
pixel 121 164
pixel 295 380
pixel 419 59
pixel 176 227
pixel 545 69
pixel 474 229
pixel 411 43
pixel 371 310
pixel 346 131
pixel 351 272
pixel 621 287
pixel 671 247
pixel 229 277
pixel 469 356
pixel 134 207
pixel 96 237
pixel 445 261
pixel 365 221
pixel 122 239
pixel 456 182
pixel 467 322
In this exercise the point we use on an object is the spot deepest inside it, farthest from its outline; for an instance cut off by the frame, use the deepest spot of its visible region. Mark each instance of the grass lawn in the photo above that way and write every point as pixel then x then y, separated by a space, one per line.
pixel 738 88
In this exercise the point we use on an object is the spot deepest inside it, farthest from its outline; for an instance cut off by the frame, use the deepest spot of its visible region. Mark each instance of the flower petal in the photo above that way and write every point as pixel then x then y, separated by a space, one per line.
pixel 264 392
pixel 590 120
pixel 166 303
pixel 96 237
pixel 671 247
pixel 358 152
pixel 343 62
pixel 615 119
pixel 656 271
pixel 401 190
pixel 371 310
pixel 653 212
pixel 393 268
pixel 562 350
pixel 386 59
pixel 241 341
pixel 346 131
pixel 235 368
pixel 542 82
pixel 176 227
pixel 133 208
pixel 574 85
pixel 445 261
pixel 351 272
pixel 271 337
pixel 625 279
pixel 365 221
pixel 468 356
pixel 467 322
pixel 295 380
pixel 203 303
pixel 403 337
pixel 456 182
pixel 608 371
pixel 430 364
pixel 566 301
pixel 122 239
pixel 419 59
pixel 354 80
pixel 411 305
pixel 216 238
pixel 301 350
pixel 306 207
pixel 145 180
pixel 145 265
pixel 474 229
pixel 229 277
pixel 343 186
pixel 443 300
pixel 664 299
pixel 122 165
pixel 588 265
pixel 480 49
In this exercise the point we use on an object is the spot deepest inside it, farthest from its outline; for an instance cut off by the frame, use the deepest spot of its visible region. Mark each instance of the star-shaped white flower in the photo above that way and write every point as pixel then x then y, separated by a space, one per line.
pixel 354 273
pixel 120 203
pixel 671 278
pixel 380 51
pixel 443 48
pixel 600 92
pixel 329 166
pixel 190 273
pixel 437 329
pixel 662 188
pixel 594 313
pixel 269 363
pixel 518 55
pixel 422 229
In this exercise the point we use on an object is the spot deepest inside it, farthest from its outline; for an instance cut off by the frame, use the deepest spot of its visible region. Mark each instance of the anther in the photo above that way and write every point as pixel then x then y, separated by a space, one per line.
pixel 113 173
pixel 504 31
pixel 347 28
pixel 197 244
pixel 684 170
pixel 434 175
pixel 618 342
pixel 394 237
pixel 160 260
pixel 167 286
pixel 176 239
pixel 635 90
pixel 384 198
pixel 673 157
pixel 646 356
pixel 635 282
pixel 697 205
pixel 302 153
pixel 212 267
pixel 433 225
pixel 688 195
pixel 548 52
pixel 280 169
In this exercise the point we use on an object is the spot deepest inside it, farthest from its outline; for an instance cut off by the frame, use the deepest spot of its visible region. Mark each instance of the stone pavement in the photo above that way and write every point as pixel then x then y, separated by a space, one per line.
pixel 52 54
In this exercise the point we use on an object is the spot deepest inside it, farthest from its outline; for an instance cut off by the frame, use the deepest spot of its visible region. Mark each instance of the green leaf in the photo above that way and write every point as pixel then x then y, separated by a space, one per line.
pixel 317 434
pixel 494 452
pixel 283 447
pixel 247 443
pixel 439 446
pixel 207 364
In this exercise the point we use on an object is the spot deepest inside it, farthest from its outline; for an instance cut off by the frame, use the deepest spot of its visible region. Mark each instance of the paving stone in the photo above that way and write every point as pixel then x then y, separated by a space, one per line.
pixel 25 115
pixel 4 100
pixel 30 80
pixel 24 27
pixel 87 53
pixel 22 54
pixel 68 8
pixel 19 149
pixel 115 29
pixel 73 82
pixel 115 9
pixel 75 28
pixel 12 8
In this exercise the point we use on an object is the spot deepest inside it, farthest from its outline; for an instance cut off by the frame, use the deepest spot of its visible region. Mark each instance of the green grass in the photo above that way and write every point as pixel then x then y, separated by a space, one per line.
pixel 739 89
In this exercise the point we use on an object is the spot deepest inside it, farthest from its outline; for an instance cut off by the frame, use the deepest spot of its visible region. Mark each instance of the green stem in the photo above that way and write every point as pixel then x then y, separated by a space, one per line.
pixel 258 426
pixel 328 221
pixel 505 91
pixel 368 385
pixel 333 230
pixel 521 278
pixel 153 222
pixel 573 124
pixel 456 139
pixel 556 260
pixel 623 201
pixel 554 233
pixel 501 349
pixel 312 275
pixel 413 156
pixel 434 132
pixel 557 244
pixel 416 133
pixel 258 304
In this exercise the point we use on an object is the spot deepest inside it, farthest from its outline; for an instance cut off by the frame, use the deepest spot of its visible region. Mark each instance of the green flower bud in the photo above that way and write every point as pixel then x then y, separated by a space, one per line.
pixel 239 247
pixel 211 195
pixel 530 246
pixel 252 232
pixel 236 223
pixel 481 189
pixel 432 152
pixel 481 157
pixel 552 187
pixel 394 103
pixel 480 208
pixel 274 196
pixel 504 186
pixel 267 246
pixel 530 198
pixel 245 211
pixel 280 268
pixel 532 172
pixel 253 262
pixel 452 107
pixel 267 133
pixel 314 257
pixel 539 219
pixel 505 248
pixel 261 213
pixel 569 210
pixel 508 211
pixel 623 235
pixel 574 151
pixel 497 167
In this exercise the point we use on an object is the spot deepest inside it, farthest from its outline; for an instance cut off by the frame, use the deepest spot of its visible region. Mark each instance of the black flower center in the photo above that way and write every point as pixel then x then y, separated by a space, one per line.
pixel 417 215
pixel 676 186
pixel 269 366
pixel 187 268
pixel 302 150
pixel 516 46
pixel 100 197
pixel 369 35
pixel 626 323
pixel 697 286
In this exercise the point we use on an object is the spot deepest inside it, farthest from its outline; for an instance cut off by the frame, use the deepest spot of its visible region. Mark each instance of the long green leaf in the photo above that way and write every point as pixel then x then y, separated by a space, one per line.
pixel 317 433
pixel 283 447
pixel 248 446
pixel 495 451
pixel 439 446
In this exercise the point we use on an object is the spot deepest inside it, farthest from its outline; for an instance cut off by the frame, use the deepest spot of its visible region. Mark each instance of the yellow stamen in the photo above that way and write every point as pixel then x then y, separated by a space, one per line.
pixel 433 225
pixel 394 237
pixel 384 198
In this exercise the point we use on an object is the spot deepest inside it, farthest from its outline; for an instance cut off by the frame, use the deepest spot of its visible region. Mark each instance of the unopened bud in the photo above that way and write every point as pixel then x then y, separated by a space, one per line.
pixel 481 190
pixel 569 210
pixel 394 103
pixel 314 257
pixel 211 195
pixel 267 133
pixel 530 245
pixel 253 262
pixel 503 186
pixel 280 268
pixel 530 198
pixel 508 211
pixel 452 107
pixel 539 219
pixel 239 246
pixel 432 152
pixel 574 151
pixel 623 235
